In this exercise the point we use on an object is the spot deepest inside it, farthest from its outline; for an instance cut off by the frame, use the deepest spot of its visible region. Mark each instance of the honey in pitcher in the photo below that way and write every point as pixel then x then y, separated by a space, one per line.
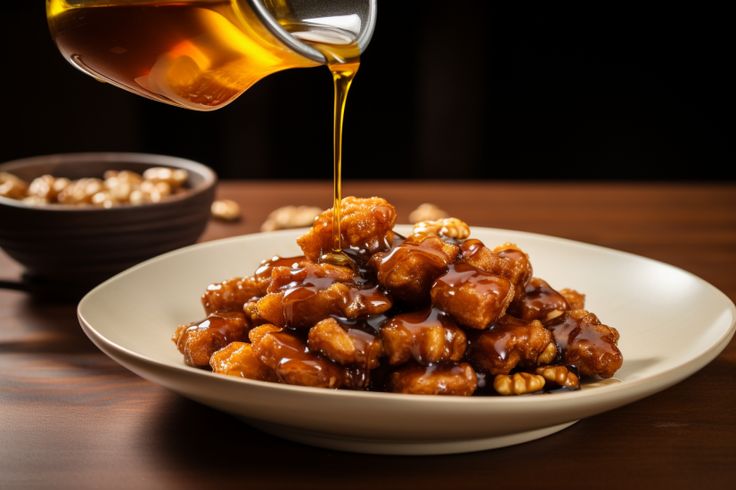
pixel 198 54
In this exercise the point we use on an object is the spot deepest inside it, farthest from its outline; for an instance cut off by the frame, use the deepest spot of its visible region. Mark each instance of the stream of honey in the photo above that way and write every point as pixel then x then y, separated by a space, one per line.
pixel 343 61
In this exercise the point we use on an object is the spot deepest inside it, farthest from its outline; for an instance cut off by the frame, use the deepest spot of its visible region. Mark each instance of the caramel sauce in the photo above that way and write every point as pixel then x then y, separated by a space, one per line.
pixel 306 285
pixel 417 323
pixel 369 324
pixel 291 350
pixel 539 300
pixel 470 247
pixel 461 274
pixel 222 323
pixel 503 333
pixel 264 270
pixel 373 297
pixel 572 331
pixel 512 254
pixel 437 258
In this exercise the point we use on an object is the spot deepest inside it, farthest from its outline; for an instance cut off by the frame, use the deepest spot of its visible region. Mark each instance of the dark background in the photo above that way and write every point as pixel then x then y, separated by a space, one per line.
pixel 447 90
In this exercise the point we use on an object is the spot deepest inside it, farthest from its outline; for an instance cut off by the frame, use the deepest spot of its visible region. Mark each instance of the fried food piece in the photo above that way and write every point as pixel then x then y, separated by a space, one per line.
pixel 346 346
pixel 575 300
pixel 510 342
pixel 409 270
pixel 587 344
pixel 302 296
pixel 308 274
pixel 427 336
pixel 473 297
pixel 291 360
pixel 436 379
pixel 232 294
pixel 506 260
pixel 303 306
pixel 257 333
pixel 199 340
pixel 539 302
pixel 366 223
pixel 238 359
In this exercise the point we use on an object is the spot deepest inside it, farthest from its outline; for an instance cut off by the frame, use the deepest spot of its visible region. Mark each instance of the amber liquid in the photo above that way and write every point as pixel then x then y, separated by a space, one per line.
pixel 199 54
pixel 343 60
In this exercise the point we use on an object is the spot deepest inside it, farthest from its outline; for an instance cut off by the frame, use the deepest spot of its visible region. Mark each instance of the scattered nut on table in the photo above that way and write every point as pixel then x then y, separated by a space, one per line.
pixel 225 210
pixel 290 217
pixel 426 212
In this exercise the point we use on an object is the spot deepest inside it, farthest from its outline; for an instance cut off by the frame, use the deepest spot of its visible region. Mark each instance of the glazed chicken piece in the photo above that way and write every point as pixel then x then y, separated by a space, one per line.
pixel 303 296
pixel 232 294
pixel 426 336
pixel 238 359
pixel 506 260
pixel 473 297
pixel 291 361
pixel 308 274
pixel 539 302
pixel 199 340
pixel 587 344
pixel 345 346
pixel 366 223
pixel 511 342
pixel 436 379
pixel 408 270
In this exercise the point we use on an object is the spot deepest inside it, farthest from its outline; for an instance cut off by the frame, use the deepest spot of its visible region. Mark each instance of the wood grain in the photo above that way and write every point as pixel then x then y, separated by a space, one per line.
pixel 70 417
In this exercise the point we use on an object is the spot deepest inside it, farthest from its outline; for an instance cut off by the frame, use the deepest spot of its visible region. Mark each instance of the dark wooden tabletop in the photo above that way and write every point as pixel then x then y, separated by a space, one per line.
pixel 71 417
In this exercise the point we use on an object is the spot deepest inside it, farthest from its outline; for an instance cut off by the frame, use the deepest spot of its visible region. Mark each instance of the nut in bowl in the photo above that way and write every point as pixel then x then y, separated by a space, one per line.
pixel 73 220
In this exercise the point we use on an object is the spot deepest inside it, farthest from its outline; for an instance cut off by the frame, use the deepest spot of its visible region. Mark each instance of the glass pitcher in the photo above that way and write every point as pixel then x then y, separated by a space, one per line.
pixel 202 54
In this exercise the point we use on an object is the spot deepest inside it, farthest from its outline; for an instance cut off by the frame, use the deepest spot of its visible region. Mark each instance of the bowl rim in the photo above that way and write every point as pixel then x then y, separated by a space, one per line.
pixel 154 159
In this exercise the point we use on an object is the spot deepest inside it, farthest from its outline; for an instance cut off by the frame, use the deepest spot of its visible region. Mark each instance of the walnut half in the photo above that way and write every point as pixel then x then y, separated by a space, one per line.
pixel 518 383
pixel 445 227
pixel 560 376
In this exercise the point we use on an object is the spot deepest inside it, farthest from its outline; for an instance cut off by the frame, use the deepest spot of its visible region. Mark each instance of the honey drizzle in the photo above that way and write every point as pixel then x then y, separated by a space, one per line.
pixel 343 61
pixel 342 76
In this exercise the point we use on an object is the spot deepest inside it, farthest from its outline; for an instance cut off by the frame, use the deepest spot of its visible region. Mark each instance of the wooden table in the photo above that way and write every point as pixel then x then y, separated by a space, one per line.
pixel 70 417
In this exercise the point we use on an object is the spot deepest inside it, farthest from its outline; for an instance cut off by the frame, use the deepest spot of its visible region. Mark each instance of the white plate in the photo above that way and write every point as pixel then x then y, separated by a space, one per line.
pixel 672 323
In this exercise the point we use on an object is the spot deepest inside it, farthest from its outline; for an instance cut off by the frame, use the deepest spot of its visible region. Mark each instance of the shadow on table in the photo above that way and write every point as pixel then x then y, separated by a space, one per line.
pixel 211 446
pixel 42 327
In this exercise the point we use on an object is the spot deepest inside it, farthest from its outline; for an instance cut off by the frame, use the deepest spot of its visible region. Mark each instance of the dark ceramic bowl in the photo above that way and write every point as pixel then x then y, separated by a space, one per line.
pixel 70 248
